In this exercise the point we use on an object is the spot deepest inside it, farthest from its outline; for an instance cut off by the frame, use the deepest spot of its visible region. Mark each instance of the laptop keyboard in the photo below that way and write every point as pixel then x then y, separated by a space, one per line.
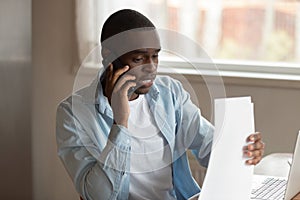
pixel 270 189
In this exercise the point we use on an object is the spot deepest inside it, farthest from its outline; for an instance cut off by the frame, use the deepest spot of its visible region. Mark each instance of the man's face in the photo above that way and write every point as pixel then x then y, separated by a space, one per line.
pixel 143 65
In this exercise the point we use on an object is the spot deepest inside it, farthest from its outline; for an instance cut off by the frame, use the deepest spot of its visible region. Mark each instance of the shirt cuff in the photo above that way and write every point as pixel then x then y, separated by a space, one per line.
pixel 120 137
pixel 116 153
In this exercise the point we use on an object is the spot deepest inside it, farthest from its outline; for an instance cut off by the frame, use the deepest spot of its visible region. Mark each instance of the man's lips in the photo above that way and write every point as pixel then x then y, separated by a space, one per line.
pixel 145 82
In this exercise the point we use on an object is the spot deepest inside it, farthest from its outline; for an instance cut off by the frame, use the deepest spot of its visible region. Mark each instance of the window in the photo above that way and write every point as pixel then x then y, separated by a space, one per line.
pixel 235 33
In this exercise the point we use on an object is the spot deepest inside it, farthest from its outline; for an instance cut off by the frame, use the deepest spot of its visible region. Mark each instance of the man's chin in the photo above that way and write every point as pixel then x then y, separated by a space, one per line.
pixel 142 90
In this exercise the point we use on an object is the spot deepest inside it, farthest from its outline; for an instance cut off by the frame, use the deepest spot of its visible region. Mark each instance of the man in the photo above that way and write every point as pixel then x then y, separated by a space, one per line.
pixel 125 136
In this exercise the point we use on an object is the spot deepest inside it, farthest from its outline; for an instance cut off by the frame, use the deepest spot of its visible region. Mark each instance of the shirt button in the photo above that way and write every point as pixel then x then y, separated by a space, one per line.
pixel 128 141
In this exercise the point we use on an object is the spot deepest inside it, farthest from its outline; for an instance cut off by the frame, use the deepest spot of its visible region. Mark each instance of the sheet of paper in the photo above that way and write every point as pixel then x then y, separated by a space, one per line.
pixel 228 177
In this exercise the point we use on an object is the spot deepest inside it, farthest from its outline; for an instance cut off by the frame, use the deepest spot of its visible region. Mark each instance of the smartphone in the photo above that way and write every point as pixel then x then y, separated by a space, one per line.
pixel 117 64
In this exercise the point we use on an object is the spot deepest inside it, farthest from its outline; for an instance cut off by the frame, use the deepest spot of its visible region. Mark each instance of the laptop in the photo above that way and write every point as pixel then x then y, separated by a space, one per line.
pixel 279 188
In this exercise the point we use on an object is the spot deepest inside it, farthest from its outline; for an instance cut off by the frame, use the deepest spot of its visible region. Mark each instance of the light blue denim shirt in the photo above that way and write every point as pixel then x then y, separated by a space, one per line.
pixel 96 152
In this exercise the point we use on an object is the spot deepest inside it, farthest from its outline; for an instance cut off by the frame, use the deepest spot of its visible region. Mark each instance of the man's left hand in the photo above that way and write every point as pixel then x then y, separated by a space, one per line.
pixel 255 149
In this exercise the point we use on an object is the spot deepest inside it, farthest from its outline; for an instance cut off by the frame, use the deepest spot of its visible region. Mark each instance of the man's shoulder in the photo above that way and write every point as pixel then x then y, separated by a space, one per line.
pixel 84 95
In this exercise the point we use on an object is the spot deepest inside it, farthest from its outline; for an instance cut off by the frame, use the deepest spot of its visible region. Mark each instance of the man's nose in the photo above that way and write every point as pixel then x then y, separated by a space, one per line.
pixel 150 67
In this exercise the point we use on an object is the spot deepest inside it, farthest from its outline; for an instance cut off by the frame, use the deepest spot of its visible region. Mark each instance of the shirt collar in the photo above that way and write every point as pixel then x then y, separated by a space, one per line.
pixel 153 92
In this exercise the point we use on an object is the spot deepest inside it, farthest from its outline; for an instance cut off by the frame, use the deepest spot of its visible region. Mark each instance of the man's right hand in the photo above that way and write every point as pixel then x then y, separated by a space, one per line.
pixel 117 84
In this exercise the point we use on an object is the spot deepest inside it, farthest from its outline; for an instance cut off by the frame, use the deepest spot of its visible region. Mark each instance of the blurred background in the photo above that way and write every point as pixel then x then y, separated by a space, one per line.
pixel 43 42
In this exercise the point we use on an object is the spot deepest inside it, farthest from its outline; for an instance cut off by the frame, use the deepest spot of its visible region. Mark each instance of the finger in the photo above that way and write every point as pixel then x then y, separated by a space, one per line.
pixel 118 73
pixel 124 80
pixel 255 146
pixel 254 161
pixel 109 73
pixel 123 91
pixel 127 86
pixel 108 85
pixel 256 153
pixel 254 137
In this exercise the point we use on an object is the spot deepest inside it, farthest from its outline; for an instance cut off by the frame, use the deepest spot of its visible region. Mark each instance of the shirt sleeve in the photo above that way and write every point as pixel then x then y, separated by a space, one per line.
pixel 194 131
pixel 96 174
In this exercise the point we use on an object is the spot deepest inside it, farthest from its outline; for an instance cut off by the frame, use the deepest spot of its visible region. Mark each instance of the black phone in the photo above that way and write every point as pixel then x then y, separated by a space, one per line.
pixel 117 64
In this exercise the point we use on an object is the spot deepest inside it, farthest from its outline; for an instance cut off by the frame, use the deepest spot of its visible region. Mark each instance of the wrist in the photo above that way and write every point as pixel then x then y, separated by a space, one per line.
pixel 125 124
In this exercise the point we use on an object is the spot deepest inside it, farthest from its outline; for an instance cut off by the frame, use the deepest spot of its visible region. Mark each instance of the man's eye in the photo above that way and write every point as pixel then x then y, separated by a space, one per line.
pixel 136 60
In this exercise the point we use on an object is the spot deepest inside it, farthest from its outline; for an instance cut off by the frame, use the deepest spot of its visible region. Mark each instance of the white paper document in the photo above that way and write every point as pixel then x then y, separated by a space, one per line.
pixel 228 177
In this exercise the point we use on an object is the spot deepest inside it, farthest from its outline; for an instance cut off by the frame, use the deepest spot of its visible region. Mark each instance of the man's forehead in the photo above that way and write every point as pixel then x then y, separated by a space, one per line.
pixel 135 39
